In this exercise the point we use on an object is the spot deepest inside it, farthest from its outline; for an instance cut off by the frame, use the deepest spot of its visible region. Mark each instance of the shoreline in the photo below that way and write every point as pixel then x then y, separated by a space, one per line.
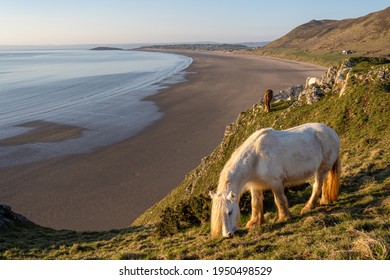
pixel 106 108
pixel 110 187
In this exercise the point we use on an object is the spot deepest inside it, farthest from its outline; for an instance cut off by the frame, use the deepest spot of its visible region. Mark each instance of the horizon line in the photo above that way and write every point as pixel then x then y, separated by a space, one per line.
pixel 155 43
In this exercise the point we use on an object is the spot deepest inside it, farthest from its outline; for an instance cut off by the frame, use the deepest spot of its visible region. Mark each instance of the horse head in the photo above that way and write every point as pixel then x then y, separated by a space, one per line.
pixel 224 214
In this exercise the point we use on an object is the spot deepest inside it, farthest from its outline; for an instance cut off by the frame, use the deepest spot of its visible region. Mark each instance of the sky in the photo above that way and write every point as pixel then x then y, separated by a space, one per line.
pixel 52 22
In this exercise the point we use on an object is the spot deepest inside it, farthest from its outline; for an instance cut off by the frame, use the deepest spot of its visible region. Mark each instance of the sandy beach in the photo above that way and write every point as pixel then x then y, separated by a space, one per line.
pixel 110 187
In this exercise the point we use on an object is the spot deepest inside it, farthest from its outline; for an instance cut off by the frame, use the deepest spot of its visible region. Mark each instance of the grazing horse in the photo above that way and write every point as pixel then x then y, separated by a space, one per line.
pixel 270 160
pixel 268 95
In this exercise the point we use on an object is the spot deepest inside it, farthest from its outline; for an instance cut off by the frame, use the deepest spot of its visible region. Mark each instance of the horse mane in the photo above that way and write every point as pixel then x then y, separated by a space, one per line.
pixel 217 210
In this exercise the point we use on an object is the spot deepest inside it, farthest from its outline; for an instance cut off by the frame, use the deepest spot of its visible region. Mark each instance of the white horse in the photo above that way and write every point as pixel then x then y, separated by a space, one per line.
pixel 272 159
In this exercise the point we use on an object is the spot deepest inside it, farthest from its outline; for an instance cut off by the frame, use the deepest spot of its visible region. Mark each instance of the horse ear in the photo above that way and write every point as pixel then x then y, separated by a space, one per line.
pixel 231 196
pixel 212 194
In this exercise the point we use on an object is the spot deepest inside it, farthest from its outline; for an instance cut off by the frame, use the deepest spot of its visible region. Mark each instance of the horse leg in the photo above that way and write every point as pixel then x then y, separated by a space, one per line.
pixel 281 204
pixel 266 101
pixel 269 104
pixel 312 202
pixel 257 208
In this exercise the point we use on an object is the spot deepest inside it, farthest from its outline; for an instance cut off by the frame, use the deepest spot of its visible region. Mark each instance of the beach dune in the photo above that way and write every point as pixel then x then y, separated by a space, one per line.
pixel 110 187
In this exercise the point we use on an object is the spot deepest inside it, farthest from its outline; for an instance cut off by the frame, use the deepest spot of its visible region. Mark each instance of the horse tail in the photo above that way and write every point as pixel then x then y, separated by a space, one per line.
pixel 331 188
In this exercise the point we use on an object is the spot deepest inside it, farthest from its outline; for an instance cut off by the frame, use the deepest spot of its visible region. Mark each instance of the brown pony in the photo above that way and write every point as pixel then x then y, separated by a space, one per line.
pixel 268 94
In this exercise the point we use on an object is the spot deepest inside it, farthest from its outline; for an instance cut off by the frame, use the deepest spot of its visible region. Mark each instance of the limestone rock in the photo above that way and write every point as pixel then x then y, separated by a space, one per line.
pixel 313 94
pixel 291 93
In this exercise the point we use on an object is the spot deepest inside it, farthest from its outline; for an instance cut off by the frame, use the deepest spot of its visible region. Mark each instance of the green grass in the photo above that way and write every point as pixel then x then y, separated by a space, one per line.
pixel 316 57
pixel 357 226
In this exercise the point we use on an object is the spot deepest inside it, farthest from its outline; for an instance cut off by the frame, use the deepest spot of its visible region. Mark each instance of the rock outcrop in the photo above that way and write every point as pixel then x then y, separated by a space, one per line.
pixel 335 80
pixel 9 218
pixel 290 93
pixel 309 93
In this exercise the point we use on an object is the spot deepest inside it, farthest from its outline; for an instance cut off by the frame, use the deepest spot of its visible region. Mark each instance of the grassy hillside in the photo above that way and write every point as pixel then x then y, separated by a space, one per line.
pixel 321 41
pixel 357 226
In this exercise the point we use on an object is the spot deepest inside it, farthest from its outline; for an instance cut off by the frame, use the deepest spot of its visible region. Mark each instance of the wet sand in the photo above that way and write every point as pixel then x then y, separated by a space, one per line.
pixel 43 131
pixel 110 187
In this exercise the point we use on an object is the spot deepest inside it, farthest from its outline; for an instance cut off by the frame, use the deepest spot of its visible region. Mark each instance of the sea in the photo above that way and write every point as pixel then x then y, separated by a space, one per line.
pixel 101 92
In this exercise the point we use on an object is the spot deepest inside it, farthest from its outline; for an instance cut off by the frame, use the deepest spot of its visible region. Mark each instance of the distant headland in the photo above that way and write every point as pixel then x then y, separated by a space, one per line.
pixel 106 49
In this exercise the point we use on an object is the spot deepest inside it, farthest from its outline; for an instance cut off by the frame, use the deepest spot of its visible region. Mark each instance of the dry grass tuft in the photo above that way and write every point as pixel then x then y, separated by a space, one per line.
pixel 371 248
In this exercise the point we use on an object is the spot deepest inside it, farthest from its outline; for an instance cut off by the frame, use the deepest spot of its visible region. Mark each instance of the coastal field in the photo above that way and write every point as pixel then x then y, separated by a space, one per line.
pixel 110 187
pixel 355 227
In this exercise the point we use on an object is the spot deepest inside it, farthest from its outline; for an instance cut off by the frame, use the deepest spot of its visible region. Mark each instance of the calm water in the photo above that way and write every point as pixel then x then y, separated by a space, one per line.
pixel 100 91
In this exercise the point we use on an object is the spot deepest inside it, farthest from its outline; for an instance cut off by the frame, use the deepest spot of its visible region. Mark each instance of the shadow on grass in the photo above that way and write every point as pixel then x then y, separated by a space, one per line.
pixel 354 204
pixel 353 183
pixel 358 201
pixel 34 237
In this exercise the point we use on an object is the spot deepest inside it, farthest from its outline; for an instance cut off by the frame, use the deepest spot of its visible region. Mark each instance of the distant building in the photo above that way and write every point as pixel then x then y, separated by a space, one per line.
pixel 346 52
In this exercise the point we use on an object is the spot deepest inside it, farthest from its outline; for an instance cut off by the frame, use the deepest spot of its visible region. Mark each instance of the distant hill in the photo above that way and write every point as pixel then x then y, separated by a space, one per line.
pixel 368 35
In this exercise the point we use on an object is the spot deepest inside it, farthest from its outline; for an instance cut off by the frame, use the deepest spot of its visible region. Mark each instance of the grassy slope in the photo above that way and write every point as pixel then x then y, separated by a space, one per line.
pixel 326 59
pixel 366 34
pixel 321 41
pixel 355 227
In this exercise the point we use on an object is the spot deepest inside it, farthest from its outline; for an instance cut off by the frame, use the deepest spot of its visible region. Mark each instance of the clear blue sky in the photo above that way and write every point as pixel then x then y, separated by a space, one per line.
pixel 38 22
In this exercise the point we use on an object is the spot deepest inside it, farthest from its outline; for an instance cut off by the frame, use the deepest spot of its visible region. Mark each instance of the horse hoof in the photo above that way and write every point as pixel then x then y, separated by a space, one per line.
pixel 305 210
pixel 284 218
pixel 251 224
pixel 254 222
pixel 324 201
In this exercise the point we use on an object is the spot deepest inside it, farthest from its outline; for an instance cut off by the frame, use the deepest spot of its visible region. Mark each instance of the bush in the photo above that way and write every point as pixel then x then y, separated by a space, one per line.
pixel 169 223
pixel 188 213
